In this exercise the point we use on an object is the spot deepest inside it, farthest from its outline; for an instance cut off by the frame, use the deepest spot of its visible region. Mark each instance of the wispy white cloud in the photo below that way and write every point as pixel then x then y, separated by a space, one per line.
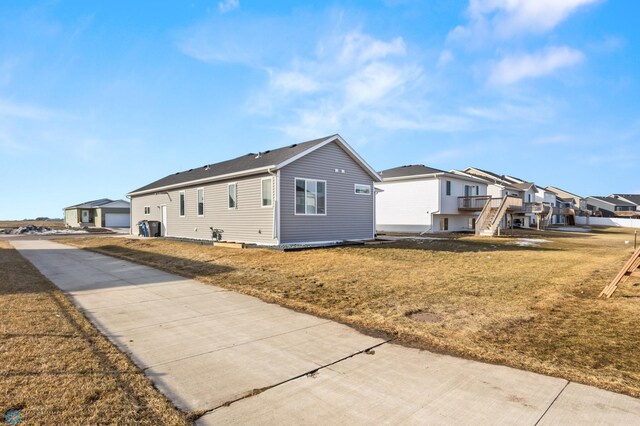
pixel 446 56
pixel 228 5
pixel 13 110
pixel 293 82
pixel 512 69
pixel 507 18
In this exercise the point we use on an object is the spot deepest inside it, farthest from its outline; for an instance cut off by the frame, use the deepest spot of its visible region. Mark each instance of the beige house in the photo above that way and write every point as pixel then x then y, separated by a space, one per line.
pixel 102 213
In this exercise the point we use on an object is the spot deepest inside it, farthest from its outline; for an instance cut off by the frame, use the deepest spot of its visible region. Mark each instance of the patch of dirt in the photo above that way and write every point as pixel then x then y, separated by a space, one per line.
pixel 427 317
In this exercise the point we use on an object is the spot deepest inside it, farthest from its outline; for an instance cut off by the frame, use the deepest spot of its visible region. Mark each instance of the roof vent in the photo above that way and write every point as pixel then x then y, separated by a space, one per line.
pixel 294 145
pixel 207 167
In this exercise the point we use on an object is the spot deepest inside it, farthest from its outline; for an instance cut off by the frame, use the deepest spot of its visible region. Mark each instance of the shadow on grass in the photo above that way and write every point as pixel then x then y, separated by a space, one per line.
pixel 77 273
pixel 189 268
pixel 461 246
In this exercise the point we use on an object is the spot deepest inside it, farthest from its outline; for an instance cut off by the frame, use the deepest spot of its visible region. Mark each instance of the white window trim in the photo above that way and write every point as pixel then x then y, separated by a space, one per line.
pixel 448 188
pixel 326 198
pixel 197 190
pixel 236 186
pixel 182 194
pixel 356 185
pixel 261 198
pixel 145 210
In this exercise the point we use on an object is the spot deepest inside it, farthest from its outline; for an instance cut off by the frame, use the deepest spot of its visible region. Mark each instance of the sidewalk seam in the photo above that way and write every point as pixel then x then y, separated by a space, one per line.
pixel 552 402
pixel 255 392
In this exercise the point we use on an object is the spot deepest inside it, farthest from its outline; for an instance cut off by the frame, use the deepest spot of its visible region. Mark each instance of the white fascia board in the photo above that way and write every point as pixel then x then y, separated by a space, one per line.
pixel 344 145
pixel 462 175
pixel 203 180
pixel 413 177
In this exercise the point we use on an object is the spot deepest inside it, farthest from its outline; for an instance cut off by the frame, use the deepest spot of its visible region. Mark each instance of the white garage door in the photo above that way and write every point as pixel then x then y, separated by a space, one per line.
pixel 116 220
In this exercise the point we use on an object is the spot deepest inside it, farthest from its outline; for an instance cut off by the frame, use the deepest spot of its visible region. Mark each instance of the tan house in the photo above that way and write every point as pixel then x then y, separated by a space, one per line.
pixel 102 213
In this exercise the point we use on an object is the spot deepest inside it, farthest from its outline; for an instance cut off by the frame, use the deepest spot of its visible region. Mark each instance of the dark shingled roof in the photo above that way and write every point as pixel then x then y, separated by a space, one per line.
pixel 414 170
pixel 246 162
pixel 90 204
pixel 634 198
pixel 614 201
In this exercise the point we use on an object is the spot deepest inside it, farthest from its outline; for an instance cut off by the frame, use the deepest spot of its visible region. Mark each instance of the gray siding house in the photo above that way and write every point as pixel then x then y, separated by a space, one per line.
pixel 310 192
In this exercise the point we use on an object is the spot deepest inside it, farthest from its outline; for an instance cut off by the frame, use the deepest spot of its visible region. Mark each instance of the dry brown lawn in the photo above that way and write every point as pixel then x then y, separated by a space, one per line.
pixel 55 368
pixel 533 308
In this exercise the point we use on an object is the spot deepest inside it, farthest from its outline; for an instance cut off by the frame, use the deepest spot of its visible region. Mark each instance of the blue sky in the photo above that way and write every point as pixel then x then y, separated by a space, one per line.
pixel 99 98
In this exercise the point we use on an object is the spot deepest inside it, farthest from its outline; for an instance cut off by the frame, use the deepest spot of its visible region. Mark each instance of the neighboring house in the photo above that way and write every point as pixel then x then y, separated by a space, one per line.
pixel 610 207
pixel 570 205
pixel 532 209
pixel 102 213
pixel 630 198
pixel 576 201
pixel 310 192
pixel 418 198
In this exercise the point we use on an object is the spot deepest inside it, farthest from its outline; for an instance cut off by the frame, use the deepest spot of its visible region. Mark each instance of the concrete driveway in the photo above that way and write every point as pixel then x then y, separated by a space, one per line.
pixel 236 359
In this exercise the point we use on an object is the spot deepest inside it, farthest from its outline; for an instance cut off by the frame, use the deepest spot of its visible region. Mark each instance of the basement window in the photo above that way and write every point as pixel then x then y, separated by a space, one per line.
pixel 147 210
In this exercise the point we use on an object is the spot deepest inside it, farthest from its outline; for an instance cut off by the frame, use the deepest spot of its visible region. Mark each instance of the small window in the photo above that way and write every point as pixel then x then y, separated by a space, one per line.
pixel 444 224
pixel 311 197
pixel 147 210
pixel 181 203
pixel 200 201
pixel 448 187
pixel 233 195
pixel 267 192
pixel 362 189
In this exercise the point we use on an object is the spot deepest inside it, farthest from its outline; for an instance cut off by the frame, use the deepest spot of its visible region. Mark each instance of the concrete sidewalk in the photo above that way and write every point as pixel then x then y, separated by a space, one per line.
pixel 237 359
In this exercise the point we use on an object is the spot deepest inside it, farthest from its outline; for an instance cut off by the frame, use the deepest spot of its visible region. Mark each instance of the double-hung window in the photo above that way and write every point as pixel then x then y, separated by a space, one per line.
pixel 311 197
pixel 200 207
pixel 181 206
pixel 267 192
pixel 233 195
pixel 147 210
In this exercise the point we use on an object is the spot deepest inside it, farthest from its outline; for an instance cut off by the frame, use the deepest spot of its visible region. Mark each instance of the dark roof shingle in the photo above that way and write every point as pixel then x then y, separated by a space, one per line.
pixel 412 170
pixel 634 198
pixel 246 162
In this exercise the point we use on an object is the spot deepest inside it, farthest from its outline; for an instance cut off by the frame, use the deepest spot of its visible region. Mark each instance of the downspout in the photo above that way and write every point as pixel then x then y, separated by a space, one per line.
pixel 130 215
pixel 276 204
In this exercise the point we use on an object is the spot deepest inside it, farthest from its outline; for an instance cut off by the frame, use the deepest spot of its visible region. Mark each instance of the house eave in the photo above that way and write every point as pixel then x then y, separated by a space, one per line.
pixel 204 180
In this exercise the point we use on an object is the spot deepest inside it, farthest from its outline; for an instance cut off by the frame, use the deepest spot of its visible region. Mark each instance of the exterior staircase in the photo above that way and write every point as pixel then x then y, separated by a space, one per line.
pixel 492 214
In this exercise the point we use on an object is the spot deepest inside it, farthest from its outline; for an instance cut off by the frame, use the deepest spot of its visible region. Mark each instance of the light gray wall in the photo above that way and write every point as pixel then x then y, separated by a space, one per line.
pixel 249 222
pixel 349 215
pixel 71 217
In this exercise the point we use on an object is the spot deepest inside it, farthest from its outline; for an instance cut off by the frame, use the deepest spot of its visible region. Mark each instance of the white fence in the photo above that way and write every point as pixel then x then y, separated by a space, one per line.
pixel 608 221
